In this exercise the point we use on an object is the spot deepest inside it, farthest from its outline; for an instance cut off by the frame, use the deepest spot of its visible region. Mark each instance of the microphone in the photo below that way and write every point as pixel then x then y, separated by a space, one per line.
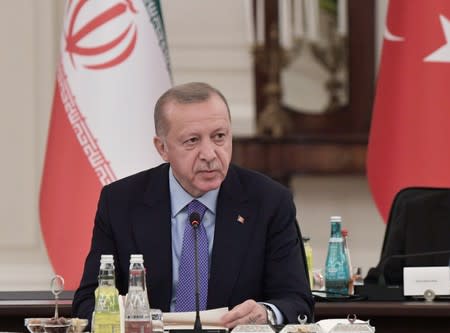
pixel 194 219
pixel 375 287
pixel 382 276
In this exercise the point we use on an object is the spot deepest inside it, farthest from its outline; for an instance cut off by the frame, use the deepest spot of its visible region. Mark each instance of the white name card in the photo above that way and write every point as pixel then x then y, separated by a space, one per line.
pixel 417 280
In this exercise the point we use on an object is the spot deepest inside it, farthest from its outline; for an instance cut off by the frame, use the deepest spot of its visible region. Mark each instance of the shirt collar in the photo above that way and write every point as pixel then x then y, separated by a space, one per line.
pixel 179 198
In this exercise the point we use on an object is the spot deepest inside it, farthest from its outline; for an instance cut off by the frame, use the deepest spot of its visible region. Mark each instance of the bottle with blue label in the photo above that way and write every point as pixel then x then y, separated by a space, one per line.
pixel 337 274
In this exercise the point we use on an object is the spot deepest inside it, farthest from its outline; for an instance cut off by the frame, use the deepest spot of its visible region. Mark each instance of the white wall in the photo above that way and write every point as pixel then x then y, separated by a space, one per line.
pixel 27 65
pixel 381 10
pixel 318 198
pixel 207 41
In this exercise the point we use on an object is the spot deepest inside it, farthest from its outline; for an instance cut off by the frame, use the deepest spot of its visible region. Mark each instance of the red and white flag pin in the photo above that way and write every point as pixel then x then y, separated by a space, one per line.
pixel 240 219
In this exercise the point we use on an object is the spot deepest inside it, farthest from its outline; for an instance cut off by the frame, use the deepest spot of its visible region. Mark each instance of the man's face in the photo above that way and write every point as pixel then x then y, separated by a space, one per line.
pixel 198 144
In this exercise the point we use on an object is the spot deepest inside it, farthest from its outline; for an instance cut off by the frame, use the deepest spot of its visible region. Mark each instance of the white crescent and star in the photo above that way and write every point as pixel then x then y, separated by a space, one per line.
pixel 442 54
pixel 389 36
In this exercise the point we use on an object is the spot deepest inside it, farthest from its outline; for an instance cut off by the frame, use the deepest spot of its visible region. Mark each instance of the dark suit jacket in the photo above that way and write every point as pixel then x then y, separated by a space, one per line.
pixel 260 259
pixel 422 225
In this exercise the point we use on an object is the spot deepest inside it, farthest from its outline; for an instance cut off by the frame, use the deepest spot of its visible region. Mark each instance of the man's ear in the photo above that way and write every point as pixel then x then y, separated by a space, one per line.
pixel 160 146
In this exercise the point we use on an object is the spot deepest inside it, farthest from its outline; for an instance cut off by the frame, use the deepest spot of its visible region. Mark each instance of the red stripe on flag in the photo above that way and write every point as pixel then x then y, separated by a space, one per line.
pixel 69 192
pixel 410 130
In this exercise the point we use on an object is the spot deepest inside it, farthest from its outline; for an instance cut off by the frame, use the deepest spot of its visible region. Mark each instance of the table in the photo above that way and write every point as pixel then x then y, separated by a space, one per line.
pixel 410 317
pixel 16 306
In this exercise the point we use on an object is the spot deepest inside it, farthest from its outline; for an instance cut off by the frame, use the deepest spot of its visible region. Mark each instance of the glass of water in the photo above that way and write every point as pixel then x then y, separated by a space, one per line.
pixel 157 320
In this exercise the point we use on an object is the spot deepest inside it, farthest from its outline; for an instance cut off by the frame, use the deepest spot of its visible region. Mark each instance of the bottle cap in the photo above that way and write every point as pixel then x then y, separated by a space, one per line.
pixel 107 259
pixel 137 258
pixel 344 232
pixel 335 219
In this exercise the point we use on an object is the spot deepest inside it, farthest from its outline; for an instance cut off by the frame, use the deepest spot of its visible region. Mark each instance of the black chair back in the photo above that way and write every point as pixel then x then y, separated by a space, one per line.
pixel 419 222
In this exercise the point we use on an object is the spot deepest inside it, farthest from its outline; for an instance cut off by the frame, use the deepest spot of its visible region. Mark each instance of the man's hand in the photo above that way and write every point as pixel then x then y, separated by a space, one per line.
pixel 246 313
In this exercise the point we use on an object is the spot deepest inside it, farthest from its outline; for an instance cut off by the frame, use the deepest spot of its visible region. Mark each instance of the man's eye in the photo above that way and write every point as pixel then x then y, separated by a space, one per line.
pixel 191 141
pixel 220 136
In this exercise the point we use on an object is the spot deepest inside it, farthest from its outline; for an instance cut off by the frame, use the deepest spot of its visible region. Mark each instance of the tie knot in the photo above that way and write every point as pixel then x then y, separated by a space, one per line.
pixel 198 207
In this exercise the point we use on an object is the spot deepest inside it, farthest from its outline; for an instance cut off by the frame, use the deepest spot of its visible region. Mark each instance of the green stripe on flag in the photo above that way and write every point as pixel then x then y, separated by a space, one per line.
pixel 155 14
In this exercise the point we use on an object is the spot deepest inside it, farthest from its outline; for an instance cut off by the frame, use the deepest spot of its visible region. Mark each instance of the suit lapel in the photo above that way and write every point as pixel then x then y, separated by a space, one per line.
pixel 152 231
pixel 233 230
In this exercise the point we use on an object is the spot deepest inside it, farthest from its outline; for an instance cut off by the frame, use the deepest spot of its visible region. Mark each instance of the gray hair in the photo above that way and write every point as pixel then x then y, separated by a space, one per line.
pixel 193 92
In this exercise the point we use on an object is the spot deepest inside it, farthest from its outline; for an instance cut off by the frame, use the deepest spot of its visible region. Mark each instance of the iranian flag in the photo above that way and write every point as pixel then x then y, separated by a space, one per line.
pixel 409 140
pixel 114 65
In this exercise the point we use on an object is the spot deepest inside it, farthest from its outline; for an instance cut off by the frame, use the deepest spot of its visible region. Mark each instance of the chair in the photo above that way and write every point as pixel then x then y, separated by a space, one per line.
pixel 419 223
pixel 398 204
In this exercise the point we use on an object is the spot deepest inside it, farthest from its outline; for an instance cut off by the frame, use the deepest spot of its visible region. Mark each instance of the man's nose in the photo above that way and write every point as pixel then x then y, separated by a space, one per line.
pixel 207 150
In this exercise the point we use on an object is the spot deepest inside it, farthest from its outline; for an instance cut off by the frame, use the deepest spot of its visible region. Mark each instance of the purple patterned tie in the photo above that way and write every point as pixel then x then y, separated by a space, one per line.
pixel 186 278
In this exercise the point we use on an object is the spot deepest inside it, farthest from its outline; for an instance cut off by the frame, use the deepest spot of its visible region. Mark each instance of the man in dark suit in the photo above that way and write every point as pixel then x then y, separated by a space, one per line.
pixel 422 224
pixel 256 257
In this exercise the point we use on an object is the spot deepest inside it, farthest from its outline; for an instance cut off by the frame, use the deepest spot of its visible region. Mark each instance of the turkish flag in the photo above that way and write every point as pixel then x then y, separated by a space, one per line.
pixel 113 67
pixel 409 139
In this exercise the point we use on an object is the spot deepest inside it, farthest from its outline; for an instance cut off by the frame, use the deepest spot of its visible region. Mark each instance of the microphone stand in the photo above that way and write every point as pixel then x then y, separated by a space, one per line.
pixel 194 219
pixel 382 277
pixel 198 323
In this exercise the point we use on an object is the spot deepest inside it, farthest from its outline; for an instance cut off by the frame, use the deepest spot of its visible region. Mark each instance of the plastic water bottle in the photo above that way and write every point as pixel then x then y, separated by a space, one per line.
pixel 309 259
pixel 337 274
pixel 344 233
pixel 106 318
pixel 137 309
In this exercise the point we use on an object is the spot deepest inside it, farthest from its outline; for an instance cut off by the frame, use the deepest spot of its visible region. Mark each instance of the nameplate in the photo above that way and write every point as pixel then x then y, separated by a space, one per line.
pixel 417 281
